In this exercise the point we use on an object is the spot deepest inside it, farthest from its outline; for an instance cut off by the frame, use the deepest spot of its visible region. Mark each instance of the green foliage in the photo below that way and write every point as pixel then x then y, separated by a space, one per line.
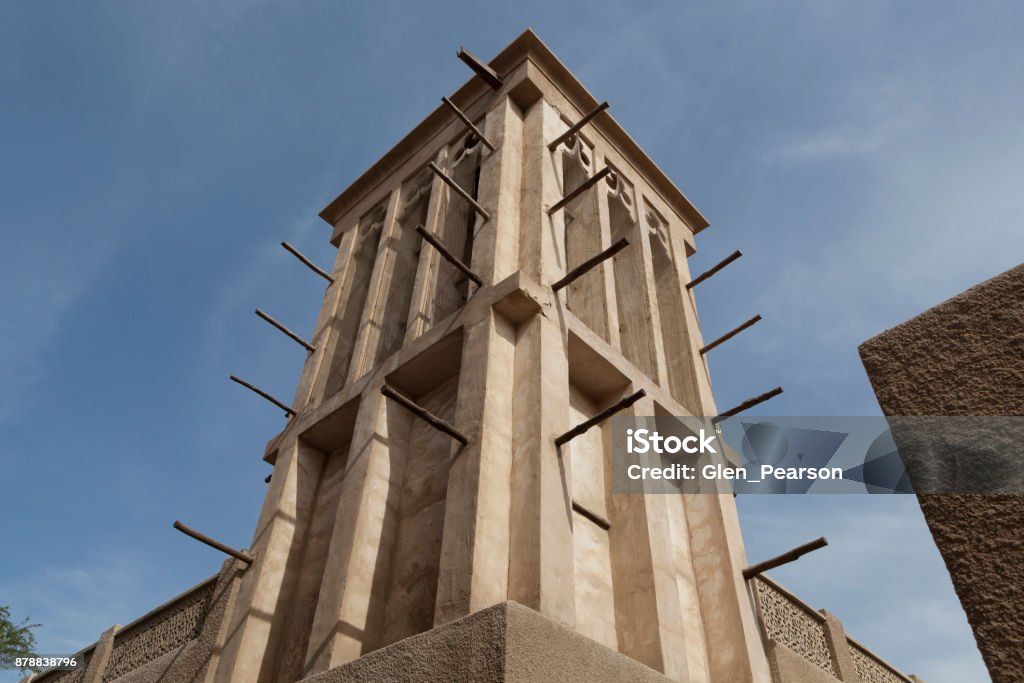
pixel 16 639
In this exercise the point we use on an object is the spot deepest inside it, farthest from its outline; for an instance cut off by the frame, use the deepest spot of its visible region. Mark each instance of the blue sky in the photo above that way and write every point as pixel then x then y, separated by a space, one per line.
pixel 864 156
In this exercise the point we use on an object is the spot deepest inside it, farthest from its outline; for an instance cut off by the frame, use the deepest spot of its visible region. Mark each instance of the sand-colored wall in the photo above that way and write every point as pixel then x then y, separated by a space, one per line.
pixel 966 357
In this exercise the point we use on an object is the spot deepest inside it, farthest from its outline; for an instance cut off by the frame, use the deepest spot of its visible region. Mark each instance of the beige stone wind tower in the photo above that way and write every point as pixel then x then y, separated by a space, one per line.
pixel 418 489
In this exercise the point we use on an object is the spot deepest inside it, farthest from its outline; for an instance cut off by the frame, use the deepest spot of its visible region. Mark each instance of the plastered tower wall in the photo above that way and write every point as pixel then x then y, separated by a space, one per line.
pixel 376 526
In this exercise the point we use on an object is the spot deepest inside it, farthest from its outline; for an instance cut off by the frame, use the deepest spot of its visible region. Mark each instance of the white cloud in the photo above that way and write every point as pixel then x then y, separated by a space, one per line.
pixel 43 281
pixel 76 602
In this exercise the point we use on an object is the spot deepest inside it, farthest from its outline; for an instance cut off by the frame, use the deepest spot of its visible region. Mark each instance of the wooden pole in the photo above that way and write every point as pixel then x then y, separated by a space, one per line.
pixel 469 124
pixel 750 403
pixel 714 269
pixel 436 243
pixel 296 338
pixel 600 417
pixel 203 538
pixel 485 72
pixel 592 516
pixel 312 266
pixel 581 270
pixel 584 186
pixel 287 411
pixel 579 124
pixel 458 189
pixel 424 414
pixel 785 558
pixel 730 334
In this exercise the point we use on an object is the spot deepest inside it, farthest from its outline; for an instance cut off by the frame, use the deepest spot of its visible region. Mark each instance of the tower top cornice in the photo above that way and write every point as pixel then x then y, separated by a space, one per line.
pixel 530 71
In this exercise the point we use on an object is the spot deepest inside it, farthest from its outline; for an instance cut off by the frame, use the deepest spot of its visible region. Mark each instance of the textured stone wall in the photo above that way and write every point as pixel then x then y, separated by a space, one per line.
pixel 506 642
pixel 966 357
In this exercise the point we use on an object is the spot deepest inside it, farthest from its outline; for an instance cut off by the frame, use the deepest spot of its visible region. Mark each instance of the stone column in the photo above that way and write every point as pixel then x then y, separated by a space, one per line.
pixel 350 607
pixel 735 652
pixel 100 656
pixel 541 555
pixel 474 564
pixel 259 614
pixel 839 647
pixel 496 244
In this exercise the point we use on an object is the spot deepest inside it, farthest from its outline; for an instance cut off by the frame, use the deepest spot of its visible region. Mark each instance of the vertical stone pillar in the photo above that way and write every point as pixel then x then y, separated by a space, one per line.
pixel 421 305
pixel 647 602
pixel 100 656
pixel 282 525
pixel 496 245
pixel 304 393
pixel 839 647
pixel 735 652
pixel 350 607
pixel 541 559
pixel 541 245
pixel 607 270
pixel 474 565
pixel 365 350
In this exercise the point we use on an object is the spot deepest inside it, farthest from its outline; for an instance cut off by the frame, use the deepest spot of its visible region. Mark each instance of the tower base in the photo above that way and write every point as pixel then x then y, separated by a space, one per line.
pixel 505 642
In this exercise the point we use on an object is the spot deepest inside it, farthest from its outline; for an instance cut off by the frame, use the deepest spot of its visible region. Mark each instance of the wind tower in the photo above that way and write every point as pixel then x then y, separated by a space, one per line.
pixel 514 267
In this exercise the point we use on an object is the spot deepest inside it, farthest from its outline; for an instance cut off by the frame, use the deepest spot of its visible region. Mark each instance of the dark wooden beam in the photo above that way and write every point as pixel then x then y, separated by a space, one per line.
pixel 485 72
pixel 785 558
pixel 553 145
pixel 592 516
pixel 714 269
pixel 312 266
pixel 424 414
pixel 450 257
pixel 582 269
pixel 730 334
pixel 287 411
pixel 469 124
pixel 458 189
pixel 203 538
pixel 749 403
pixel 584 186
pixel 600 417
pixel 296 338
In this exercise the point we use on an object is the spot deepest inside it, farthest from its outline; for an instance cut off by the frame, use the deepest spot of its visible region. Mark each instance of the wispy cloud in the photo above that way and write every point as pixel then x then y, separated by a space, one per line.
pixel 43 282
pixel 76 601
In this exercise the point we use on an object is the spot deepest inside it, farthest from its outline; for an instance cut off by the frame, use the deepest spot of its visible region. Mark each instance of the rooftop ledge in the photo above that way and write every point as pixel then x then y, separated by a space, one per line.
pixel 545 66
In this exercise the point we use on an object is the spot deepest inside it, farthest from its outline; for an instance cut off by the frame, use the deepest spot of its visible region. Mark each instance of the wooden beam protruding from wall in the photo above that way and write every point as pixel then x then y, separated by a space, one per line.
pixel 485 72
pixel 730 334
pixel 600 417
pixel 584 186
pixel 749 403
pixel 458 190
pixel 714 269
pixel 785 558
pixel 553 145
pixel 309 264
pixel 424 414
pixel 287 410
pixel 294 337
pixel 582 269
pixel 433 241
pixel 213 543
pixel 469 123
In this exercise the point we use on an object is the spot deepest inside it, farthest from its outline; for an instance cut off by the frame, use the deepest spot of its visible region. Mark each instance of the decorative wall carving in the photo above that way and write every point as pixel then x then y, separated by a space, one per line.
pixel 870 669
pixel 790 623
pixel 173 626
pixel 76 676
